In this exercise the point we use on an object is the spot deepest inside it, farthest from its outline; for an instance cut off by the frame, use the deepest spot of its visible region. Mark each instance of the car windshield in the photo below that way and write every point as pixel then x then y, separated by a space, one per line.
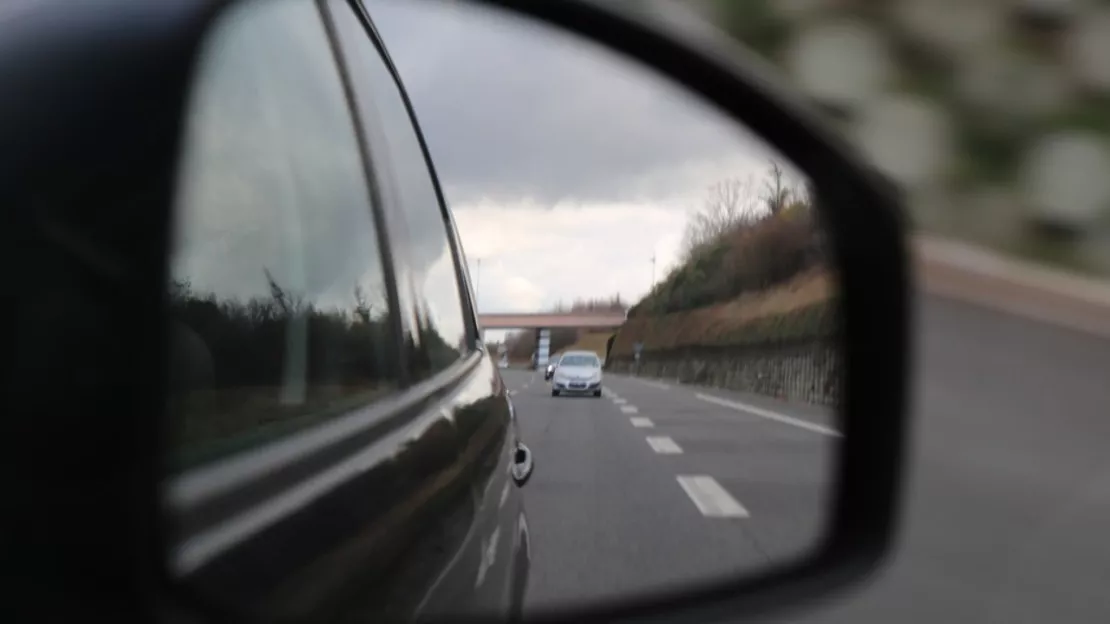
pixel 579 360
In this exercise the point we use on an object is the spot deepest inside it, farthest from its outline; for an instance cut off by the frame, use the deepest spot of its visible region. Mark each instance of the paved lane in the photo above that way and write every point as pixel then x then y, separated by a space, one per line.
pixel 650 486
pixel 1009 491
pixel 1008 494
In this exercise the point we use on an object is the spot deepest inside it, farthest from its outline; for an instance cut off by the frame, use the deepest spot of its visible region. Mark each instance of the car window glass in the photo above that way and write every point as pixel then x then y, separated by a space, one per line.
pixel 579 360
pixel 429 265
pixel 279 310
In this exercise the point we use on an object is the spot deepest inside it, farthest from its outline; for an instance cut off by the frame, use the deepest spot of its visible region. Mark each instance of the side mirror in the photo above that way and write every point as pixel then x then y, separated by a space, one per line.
pixel 97 236
pixel 522 465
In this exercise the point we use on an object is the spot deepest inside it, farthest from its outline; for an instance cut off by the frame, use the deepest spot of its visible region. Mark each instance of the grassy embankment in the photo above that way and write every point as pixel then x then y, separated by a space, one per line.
pixel 590 341
pixel 756 283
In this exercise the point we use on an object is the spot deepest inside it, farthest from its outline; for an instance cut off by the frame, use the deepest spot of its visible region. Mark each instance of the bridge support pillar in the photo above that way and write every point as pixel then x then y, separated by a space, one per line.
pixel 543 346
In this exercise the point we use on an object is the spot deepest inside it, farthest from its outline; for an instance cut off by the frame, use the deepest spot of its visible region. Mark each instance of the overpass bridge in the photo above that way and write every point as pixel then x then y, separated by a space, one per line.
pixel 550 320
pixel 544 322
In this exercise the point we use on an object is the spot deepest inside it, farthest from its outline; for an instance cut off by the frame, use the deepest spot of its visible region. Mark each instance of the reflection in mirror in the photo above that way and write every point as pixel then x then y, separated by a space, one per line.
pixel 277 294
pixel 309 474
pixel 337 449
pixel 586 187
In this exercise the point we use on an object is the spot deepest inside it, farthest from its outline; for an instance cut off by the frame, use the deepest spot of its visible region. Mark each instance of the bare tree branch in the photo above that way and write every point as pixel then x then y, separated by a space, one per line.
pixel 778 193
pixel 364 310
pixel 729 204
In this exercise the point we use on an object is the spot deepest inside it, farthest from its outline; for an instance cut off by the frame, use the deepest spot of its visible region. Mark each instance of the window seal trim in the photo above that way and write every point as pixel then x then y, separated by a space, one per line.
pixel 462 273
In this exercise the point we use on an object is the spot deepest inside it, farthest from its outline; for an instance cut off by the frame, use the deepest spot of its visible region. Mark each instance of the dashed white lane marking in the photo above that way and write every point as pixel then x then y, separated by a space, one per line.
pixel 768 414
pixel 629 409
pixel 641 422
pixel 619 401
pixel 664 445
pixel 654 384
pixel 712 500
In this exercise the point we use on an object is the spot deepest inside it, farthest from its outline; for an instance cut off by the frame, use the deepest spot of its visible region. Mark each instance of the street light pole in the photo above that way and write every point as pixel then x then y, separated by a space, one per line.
pixel 653 270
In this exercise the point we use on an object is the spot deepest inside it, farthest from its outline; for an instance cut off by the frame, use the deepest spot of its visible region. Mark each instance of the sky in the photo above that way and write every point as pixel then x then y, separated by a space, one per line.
pixel 567 167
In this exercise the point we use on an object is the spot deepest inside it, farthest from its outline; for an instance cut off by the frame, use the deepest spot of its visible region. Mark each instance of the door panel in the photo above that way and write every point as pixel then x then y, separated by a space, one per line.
pixel 357 510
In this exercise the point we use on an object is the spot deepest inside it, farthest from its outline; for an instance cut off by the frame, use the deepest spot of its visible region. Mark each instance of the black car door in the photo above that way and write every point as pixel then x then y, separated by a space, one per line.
pixel 488 569
pixel 340 447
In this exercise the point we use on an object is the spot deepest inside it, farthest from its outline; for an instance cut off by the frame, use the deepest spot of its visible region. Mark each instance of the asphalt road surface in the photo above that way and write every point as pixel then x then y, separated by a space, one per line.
pixel 653 485
pixel 1007 509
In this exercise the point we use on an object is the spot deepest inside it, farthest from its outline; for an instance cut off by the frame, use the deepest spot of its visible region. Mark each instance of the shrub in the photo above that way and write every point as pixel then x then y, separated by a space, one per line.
pixel 706 328
pixel 750 257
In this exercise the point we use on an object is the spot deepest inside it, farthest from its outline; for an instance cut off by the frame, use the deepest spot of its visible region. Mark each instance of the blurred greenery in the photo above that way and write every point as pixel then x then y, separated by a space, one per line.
pixel 990 142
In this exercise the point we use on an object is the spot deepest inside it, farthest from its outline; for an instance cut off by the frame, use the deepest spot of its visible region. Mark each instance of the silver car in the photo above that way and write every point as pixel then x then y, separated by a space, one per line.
pixel 578 372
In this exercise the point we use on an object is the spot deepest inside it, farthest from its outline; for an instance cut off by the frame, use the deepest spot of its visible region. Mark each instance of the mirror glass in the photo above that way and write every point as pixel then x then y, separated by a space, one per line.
pixel 337 444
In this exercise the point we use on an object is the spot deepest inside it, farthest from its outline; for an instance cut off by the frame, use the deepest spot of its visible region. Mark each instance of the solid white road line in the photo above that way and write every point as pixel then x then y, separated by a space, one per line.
pixel 710 498
pixel 629 409
pixel 641 422
pixel 653 384
pixel 664 445
pixel 768 414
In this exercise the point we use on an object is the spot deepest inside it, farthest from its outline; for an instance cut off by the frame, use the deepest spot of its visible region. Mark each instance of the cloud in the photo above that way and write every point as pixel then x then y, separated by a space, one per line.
pixel 566 169
pixel 560 254
pixel 513 109
pixel 566 166
pixel 271 168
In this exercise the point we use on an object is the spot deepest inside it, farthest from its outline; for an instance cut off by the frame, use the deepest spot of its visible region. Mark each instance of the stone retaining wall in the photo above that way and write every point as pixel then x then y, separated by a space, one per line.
pixel 808 373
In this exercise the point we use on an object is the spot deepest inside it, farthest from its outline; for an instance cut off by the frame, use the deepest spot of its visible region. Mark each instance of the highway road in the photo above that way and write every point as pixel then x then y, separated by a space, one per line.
pixel 1008 496
pixel 651 486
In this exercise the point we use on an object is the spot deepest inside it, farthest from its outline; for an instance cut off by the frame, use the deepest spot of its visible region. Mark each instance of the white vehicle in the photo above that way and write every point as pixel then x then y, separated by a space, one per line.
pixel 578 372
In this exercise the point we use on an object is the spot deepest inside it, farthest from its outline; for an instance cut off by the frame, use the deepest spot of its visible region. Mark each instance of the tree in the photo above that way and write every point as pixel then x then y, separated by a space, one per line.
pixel 290 303
pixel 729 204
pixel 777 192
pixel 742 240
pixel 365 307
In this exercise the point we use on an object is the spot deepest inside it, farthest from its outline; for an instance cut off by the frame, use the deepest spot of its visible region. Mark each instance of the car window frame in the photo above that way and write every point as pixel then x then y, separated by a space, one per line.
pixel 395 214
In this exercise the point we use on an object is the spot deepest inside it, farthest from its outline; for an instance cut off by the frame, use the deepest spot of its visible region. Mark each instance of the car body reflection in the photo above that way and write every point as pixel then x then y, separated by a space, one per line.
pixel 437 502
